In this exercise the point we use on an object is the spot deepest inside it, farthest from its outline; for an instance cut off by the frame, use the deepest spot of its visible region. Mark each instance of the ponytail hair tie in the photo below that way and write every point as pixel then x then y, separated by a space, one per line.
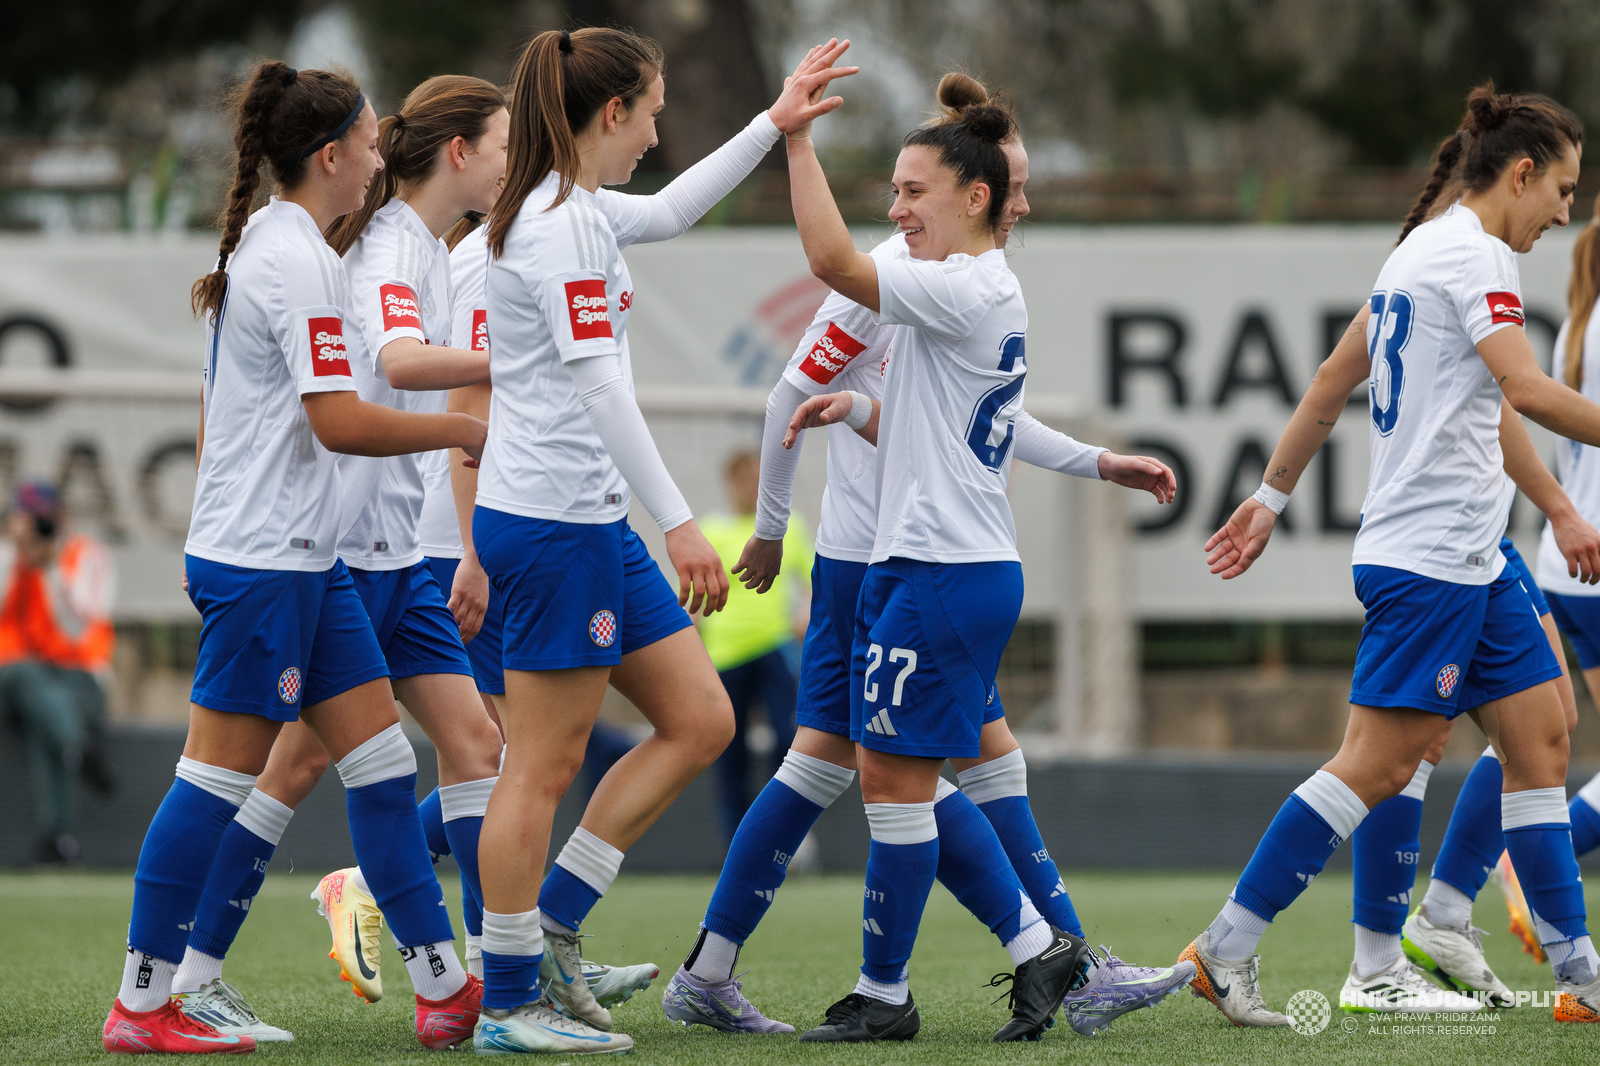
pixel 290 77
pixel 399 120
pixel 565 44
pixel 222 261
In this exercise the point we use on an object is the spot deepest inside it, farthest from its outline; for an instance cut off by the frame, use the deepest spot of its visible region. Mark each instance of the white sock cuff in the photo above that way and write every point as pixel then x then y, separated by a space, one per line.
pixel 264 816
pixel 1030 913
pixel 1419 781
pixel 381 758
pixel 1534 806
pixel 513 934
pixel 943 791
pixel 590 859
pixel 996 779
pixel 1488 753
pixel 230 786
pixel 470 799
pixel 1590 793
pixel 818 780
pixel 1333 801
pixel 902 823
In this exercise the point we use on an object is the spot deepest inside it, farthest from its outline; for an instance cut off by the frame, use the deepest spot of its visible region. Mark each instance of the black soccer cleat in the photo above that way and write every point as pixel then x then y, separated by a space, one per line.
pixel 1041 983
pixel 861 1019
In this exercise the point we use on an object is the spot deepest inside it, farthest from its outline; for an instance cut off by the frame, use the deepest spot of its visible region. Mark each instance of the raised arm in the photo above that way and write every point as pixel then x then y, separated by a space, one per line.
pixel 1576 539
pixel 1233 548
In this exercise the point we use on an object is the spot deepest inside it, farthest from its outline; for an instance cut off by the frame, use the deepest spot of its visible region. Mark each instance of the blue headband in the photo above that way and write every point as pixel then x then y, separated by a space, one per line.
pixel 338 131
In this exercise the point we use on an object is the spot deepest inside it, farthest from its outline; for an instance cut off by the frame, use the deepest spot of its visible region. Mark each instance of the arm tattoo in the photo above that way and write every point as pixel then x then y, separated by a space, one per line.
pixel 1276 474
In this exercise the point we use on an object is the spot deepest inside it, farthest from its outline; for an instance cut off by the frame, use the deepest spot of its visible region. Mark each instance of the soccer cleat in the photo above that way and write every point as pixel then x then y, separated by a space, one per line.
pixel 858 1019
pixel 219 1005
pixel 357 927
pixel 562 979
pixel 167 1031
pixel 1453 956
pixel 1115 988
pixel 1233 987
pixel 718 1004
pixel 535 1028
pixel 1578 1003
pixel 1505 875
pixel 1041 983
pixel 444 1023
pixel 611 985
pixel 1400 988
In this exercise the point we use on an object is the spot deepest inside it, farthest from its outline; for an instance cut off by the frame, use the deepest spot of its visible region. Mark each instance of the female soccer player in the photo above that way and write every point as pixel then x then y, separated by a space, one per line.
pixel 584 604
pixel 845 349
pixel 284 635
pixel 1448 627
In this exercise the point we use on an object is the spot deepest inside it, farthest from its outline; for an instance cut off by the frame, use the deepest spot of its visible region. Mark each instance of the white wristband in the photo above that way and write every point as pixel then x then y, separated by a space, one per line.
pixel 860 410
pixel 1271 498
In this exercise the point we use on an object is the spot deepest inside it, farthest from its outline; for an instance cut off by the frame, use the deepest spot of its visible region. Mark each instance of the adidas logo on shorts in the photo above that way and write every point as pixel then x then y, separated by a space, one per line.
pixel 880 724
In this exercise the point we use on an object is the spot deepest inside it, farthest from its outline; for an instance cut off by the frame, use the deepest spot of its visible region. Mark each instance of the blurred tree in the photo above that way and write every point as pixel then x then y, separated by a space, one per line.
pixel 1218 67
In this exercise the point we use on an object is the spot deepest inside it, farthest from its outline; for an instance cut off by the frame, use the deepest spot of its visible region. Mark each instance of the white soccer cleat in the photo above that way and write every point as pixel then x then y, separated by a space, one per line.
pixel 1234 988
pixel 1453 956
pixel 562 979
pixel 1401 989
pixel 536 1028
pixel 357 927
pixel 612 985
pixel 219 1005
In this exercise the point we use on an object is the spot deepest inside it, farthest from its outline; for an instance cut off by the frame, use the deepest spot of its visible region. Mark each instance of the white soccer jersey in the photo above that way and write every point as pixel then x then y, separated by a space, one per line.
pixel 1438 496
pixel 1577 465
pixel 844 349
pixel 951 395
pixel 559 292
pixel 267 494
pixel 400 281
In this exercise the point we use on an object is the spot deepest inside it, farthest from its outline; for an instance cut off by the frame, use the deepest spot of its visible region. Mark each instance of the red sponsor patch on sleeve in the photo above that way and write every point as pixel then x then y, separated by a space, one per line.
pixel 399 307
pixel 589 310
pixel 480 330
pixel 327 348
pixel 1505 307
pixel 830 355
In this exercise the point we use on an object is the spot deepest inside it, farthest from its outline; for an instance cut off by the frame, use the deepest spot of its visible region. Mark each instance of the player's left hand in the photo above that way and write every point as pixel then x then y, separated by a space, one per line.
pixel 1579 544
pixel 469 596
pixel 701 577
pixel 1234 547
pixel 1140 472
pixel 801 101
pixel 759 563
pixel 822 410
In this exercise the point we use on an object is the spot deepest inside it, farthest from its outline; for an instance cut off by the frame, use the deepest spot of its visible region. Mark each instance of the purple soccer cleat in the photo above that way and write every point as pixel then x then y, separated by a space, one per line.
pixel 719 1004
pixel 1116 987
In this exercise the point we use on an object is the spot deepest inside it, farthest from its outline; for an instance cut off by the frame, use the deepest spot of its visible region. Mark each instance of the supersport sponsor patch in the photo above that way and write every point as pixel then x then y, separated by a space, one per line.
pixel 480 329
pixel 1505 307
pixel 588 308
pixel 830 355
pixel 400 309
pixel 327 348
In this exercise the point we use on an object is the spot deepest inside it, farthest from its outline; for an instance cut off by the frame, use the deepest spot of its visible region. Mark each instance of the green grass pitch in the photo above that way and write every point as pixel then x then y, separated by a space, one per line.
pixel 64 936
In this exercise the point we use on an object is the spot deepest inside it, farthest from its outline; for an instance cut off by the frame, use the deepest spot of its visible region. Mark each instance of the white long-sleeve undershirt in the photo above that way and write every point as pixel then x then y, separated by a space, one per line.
pixel 778 464
pixel 620 424
pixel 697 190
pixel 1039 445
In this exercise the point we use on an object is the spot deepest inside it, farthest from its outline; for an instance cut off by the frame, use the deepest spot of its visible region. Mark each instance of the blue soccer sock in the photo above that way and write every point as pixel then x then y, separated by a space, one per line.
pixel 1304 834
pixel 758 858
pixel 1584 810
pixel 380 780
pixel 462 808
pixel 237 874
pixel 174 862
pixel 431 811
pixel 513 945
pixel 582 873
pixel 1000 789
pixel 1538 836
pixel 901 865
pixel 973 865
pixel 1472 843
pixel 1385 849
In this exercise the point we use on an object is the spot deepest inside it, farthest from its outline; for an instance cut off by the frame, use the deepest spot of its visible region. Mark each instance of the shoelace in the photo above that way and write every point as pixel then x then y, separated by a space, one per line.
pixel 844 1008
pixel 177 1019
pixel 236 1001
pixel 1000 980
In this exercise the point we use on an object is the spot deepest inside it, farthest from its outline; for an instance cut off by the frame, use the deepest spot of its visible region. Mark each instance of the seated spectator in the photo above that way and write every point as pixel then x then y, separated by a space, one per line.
pixel 754 643
pixel 55 638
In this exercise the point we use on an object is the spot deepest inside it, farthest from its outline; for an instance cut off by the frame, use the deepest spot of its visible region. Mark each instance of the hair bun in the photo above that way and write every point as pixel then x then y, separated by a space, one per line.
pixel 988 122
pixel 958 91
pixel 1488 109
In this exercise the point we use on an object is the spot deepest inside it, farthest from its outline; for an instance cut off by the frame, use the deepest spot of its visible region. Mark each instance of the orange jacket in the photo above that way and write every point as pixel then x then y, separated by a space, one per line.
pixel 61 615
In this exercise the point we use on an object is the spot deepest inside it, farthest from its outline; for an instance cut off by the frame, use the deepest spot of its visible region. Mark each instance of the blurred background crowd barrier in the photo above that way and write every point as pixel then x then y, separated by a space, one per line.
pixel 1215 184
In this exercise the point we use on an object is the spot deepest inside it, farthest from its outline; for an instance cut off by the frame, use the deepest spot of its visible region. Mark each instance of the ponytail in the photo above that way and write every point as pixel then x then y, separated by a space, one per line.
pixel 433 114
pixel 1497 130
pixel 464 226
pixel 1583 288
pixel 560 83
pixel 281 117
